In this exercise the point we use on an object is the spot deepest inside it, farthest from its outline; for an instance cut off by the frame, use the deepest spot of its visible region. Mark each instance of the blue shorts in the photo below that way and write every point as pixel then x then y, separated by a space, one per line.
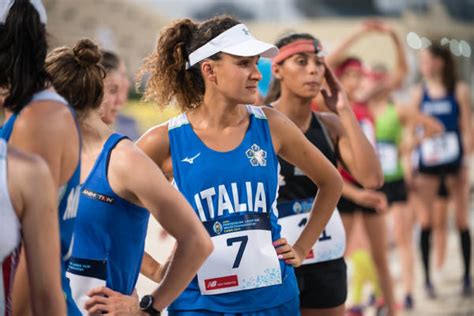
pixel 289 308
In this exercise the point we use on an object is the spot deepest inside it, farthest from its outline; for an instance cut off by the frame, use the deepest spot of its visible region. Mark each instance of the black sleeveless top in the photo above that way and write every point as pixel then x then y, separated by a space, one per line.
pixel 293 183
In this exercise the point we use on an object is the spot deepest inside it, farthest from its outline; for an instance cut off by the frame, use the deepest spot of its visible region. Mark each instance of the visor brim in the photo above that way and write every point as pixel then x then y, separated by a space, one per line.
pixel 252 47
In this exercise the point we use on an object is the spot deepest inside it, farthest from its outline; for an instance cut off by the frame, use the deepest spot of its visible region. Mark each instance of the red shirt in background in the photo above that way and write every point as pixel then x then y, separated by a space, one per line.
pixel 367 124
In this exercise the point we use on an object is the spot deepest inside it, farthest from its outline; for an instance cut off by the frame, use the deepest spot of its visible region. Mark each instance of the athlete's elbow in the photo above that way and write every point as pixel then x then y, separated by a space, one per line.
pixel 202 244
pixel 334 186
pixel 47 302
pixel 207 246
pixel 373 182
pixel 339 184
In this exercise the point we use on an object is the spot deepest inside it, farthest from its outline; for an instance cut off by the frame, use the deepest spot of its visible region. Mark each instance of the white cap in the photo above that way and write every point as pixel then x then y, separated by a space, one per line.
pixel 6 5
pixel 235 41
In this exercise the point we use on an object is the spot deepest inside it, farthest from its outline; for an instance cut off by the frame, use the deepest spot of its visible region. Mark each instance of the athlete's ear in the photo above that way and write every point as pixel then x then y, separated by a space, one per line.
pixel 207 69
pixel 276 71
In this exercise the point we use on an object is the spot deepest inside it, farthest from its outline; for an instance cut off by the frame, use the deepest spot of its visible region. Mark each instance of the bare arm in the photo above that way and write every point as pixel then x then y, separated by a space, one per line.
pixel 464 99
pixel 48 129
pixel 291 144
pixel 410 116
pixel 338 54
pixel 401 67
pixel 40 233
pixel 152 269
pixel 172 211
pixel 365 197
pixel 416 96
pixel 155 143
pixel 356 152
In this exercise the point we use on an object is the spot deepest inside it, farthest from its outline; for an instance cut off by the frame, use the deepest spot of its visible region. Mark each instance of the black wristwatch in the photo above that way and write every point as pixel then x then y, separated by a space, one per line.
pixel 146 305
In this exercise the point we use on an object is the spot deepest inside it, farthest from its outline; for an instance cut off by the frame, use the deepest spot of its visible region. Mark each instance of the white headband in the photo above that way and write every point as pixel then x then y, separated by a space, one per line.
pixel 235 41
pixel 5 6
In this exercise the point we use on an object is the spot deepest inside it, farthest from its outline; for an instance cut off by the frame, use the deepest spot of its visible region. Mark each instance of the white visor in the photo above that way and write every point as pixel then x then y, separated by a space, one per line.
pixel 5 6
pixel 235 41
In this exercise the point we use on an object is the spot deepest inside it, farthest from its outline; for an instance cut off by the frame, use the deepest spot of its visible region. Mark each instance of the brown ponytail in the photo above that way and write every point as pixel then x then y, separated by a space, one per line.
pixel 76 75
pixel 449 73
pixel 166 67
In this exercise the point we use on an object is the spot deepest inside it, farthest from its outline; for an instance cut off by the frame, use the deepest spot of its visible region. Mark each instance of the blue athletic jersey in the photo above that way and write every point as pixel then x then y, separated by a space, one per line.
pixel 445 150
pixel 109 234
pixel 234 194
pixel 68 197
pixel 7 128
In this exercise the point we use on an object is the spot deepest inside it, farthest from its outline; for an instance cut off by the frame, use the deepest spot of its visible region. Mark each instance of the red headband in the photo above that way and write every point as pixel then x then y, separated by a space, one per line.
pixel 300 46
pixel 349 64
pixel 376 75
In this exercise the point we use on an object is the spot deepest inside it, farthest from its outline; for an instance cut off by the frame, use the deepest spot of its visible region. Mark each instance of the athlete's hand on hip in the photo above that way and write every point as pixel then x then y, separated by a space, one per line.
pixel 290 254
pixel 104 300
pixel 373 199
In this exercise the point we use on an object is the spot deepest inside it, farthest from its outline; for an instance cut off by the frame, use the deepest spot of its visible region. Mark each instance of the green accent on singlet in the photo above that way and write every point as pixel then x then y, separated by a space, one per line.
pixel 388 128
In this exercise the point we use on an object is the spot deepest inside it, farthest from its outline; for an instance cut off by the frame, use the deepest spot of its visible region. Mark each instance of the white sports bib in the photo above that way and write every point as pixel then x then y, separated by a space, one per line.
pixel 85 275
pixel 388 156
pixel 243 257
pixel 332 242
pixel 440 150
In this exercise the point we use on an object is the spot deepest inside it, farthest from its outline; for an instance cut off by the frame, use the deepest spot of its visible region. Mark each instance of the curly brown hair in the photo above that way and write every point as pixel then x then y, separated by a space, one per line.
pixel 169 80
pixel 77 75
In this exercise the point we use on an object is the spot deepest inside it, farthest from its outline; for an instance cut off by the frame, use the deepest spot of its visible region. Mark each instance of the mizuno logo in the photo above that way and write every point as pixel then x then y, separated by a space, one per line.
pixel 190 160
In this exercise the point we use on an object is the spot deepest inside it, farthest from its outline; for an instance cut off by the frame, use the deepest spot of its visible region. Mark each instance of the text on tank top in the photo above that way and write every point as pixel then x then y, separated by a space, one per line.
pixel 296 197
pixel 444 149
pixel 105 254
pixel 234 194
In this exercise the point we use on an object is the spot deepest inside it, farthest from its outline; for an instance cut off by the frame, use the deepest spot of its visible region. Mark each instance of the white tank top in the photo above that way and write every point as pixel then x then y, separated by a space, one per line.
pixel 9 236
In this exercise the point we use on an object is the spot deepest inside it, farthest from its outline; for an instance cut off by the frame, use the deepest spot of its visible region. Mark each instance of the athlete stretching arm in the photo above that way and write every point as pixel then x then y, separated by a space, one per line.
pixel 463 97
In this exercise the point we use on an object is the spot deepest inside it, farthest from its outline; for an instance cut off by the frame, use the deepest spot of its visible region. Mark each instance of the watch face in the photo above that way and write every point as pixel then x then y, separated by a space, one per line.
pixel 146 301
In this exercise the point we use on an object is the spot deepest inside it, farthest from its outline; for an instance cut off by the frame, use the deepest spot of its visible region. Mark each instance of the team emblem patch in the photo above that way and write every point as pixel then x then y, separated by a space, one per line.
pixel 217 227
pixel 257 156
pixel 297 208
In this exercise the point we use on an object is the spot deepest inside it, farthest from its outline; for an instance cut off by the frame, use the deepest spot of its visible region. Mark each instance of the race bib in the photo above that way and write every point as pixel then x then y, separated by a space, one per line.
pixel 85 275
pixel 243 257
pixel 294 216
pixel 388 156
pixel 440 150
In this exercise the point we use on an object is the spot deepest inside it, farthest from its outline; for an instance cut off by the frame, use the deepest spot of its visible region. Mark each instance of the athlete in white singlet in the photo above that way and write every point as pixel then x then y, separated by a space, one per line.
pixel 29 218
